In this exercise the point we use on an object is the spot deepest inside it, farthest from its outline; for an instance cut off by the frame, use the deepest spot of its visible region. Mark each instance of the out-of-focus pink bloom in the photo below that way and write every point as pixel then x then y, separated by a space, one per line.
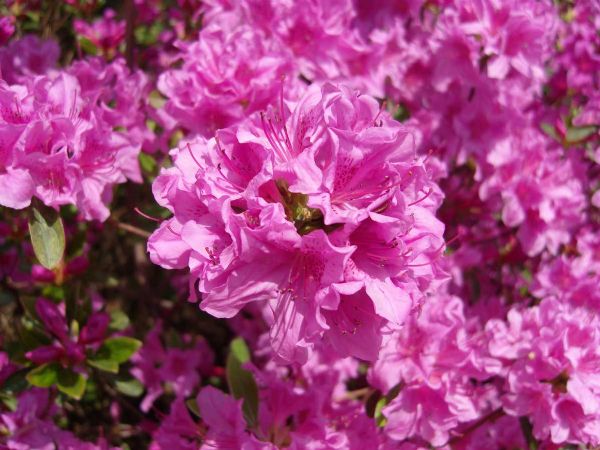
pixel 67 351
pixel 30 427
pixel 59 143
pixel 106 33
pixel 180 369
pixel 27 57
pixel 7 28
pixel 224 77
pixel 550 354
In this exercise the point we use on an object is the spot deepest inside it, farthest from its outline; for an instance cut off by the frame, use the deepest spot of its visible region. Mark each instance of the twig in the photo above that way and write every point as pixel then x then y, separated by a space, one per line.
pixel 129 33
pixel 358 393
pixel 496 414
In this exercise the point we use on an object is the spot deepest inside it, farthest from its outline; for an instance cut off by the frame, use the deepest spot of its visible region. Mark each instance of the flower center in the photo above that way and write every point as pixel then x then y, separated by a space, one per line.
pixel 304 218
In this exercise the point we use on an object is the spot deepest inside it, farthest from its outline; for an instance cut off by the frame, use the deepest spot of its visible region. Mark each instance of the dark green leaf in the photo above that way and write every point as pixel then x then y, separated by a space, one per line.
pixel 193 406
pixel 371 403
pixel 44 375
pixel 527 430
pixel 16 382
pixel 7 298
pixel 241 382
pixel 47 234
pixel 71 383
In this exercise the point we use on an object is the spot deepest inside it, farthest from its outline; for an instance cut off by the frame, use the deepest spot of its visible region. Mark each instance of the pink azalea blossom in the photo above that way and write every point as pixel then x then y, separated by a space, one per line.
pixel 294 196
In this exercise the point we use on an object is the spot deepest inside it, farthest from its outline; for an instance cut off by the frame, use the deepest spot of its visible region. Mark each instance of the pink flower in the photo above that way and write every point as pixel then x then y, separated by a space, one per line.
pixel 30 426
pixel 7 28
pixel 277 213
pixel 65 349
pixel 60 145
pixel 514 35
pixel 551 357
pixel 27 57
pixel 180 369
pixel 105 33
pixel 177 431
pixel 224 78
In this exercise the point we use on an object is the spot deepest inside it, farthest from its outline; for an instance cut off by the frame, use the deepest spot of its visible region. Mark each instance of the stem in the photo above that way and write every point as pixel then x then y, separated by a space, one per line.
pixel 129 33
pixel 358 393
pixel 496 414
pixel 526 427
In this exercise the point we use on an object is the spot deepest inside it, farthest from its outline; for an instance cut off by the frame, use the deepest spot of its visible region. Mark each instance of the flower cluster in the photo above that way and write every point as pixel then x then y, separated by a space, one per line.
pixel 324 212
pixel 65 136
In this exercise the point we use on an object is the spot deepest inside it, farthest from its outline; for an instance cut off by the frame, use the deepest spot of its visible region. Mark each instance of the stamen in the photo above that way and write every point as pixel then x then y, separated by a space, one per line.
pixel 429 153
pixel 172 230
pixel 383 106
pixel 421 199
pixel 437 253
pixel 146 216
pixel 214 259
pixel 276 149
pixel 193 157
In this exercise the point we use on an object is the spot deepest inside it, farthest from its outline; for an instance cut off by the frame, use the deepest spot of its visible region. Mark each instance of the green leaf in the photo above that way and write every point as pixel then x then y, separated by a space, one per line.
pixel 129 386
pixel 71 383
pixel 54 292
pixel 147 163
pixel 118 320
pixel 241 382
pixel 113 352
pixel 47 234
pixel 103 363
pixel 578 134
pixel 239 350
pixel 156 99
pixel 121 348
pixel 380 419
pixel 88 46
pixel 43 376
pixel 10 401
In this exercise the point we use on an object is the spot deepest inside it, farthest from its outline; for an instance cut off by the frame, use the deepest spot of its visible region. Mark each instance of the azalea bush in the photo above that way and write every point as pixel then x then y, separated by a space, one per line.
pixel 324 224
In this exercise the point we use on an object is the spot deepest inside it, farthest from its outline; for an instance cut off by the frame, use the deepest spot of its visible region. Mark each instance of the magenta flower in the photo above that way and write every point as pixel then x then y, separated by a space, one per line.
pixel 65 349
pixel 178 370
pixel 105 33
pixel 282 213
pixel 24 58
pixel 230 76
pixel 551 357
pixel 59 142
